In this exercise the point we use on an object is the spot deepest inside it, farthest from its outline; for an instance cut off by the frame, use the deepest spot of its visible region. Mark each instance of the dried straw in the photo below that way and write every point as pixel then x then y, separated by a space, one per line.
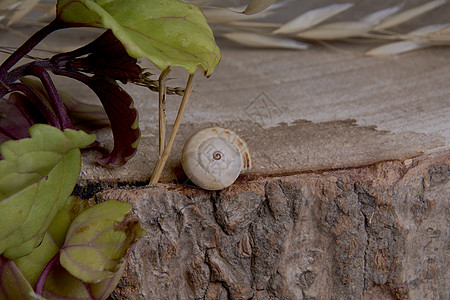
pixel 409 14
pixel 418 38
pixel 243 25
pixel 311 26
pixel 264 41
pixel 256 6
pixel 312 18
pixel 14 11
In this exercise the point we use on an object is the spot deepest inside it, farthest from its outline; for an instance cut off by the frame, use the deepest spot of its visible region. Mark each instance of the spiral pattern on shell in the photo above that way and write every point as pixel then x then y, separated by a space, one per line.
pixel 214 157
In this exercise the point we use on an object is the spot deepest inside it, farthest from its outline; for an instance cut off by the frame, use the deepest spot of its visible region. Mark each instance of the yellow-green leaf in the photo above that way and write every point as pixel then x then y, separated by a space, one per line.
pixel 37 176
pixel 167 32
pixel 61 222
pixel 98 240
pixel 34 263
pixel 60 284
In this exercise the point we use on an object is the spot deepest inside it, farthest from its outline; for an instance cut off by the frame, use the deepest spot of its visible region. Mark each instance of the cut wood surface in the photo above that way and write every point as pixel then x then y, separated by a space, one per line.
pixel 303 110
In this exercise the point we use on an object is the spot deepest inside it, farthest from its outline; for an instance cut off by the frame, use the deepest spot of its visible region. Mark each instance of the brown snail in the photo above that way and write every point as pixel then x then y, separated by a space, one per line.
pixel 214 157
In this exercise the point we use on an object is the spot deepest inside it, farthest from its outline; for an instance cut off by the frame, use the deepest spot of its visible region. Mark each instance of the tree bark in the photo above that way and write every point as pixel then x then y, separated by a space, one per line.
pixel 372 232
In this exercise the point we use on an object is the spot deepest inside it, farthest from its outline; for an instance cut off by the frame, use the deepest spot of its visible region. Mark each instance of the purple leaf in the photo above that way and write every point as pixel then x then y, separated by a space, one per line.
pixel 82 115
pixel 124 120
pixel 105 56
pixel 13 284
pixel 110 59
pixel 17 114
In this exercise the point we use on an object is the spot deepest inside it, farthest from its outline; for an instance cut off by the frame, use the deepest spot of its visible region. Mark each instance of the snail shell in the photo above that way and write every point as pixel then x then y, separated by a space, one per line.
pixel 214 157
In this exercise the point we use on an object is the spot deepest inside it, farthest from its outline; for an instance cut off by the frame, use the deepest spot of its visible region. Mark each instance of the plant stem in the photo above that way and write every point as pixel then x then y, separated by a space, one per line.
pixel 86 49
pixel 52 93
pixel 72 74
pixel 4 89
pixel 29 45
pixel 43 109
pixel 162 109
pixel 44 275
pixel 163 159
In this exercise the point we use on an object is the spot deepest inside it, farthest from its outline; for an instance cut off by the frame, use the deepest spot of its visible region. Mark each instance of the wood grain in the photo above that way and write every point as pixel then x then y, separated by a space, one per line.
pixel 310 110
pixel 299 110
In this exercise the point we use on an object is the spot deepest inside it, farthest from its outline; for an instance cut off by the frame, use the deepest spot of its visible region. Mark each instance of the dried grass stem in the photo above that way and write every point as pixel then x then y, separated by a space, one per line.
pixel 165 155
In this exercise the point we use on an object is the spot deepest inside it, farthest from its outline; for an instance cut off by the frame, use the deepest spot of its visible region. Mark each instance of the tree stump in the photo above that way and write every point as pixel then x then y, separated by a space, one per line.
pixel 373 232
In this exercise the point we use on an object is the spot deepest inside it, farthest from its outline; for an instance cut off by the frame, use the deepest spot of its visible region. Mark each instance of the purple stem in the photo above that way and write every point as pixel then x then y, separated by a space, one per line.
pixel 44 275
pixel 74 75
pixel 15 74
pixel 68 56
pixel 52 93
pixel 49 116
pixel 29 45
pixel 23 70
pixel 4 89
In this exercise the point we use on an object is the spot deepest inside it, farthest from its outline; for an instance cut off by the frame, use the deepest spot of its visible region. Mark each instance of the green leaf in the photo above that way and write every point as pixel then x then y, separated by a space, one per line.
pixel 167 32
pixel 34 263
pixel 105 287
pixel 37 176
pixel 13 284
pixel 98 240
pixel 61 222
pixel 61 285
